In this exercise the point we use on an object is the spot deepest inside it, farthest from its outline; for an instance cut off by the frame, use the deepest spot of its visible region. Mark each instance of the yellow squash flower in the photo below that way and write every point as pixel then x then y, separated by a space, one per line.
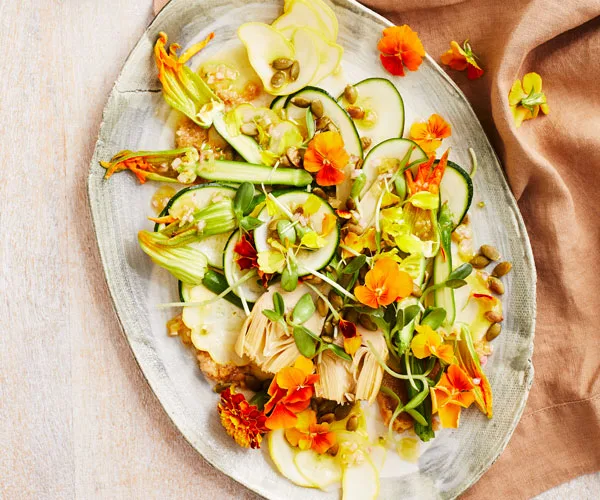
pixel 527 99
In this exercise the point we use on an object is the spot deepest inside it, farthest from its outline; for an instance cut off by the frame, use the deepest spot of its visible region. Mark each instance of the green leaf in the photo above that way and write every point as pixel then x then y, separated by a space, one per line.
pixel 303 310
pixel 278 304
pixel 424 200
pixel 455 283
pixel 434 317
pixel 272 315
pixel 358 185
pixel 289 279
pixel 461 272
pixel 355 264
pixel 286 232
pixel 243 198
pixel 411 313
pixel 339 352
pixel 250 223
pixel 305 342
pixel 260 400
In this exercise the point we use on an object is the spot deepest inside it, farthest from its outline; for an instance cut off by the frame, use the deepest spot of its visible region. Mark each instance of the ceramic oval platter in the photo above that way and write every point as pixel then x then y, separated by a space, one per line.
pixel 136 117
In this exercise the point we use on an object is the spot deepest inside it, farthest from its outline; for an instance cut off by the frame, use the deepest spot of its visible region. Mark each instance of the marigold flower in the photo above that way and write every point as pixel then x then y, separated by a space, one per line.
pixel 245 423
pixel 427 178
pixel 308 435
pixel 452 392
pixel 428 342
pixel 461 58
pixel 326 156
pixel 352 339
pixel 526 100
pixel 384 283
pixel 290 391
pixel 429 134
pixel 400 46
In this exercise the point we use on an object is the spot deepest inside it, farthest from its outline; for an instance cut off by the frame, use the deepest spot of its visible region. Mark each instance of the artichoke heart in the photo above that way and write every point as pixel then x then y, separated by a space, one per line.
pixel 358 380
pixel 270 345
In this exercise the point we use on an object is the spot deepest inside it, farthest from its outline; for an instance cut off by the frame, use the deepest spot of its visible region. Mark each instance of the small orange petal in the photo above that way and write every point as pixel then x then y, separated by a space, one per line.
pixel 446 353
pixel 449 415
pixel 352 344
pixel 281 418
pixel 305 365
pixel 330 176
pixel 366 296
pixel 459 379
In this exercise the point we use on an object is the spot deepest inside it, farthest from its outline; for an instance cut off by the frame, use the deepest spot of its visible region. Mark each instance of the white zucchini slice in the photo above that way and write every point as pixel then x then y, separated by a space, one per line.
pixel 384 110
pixel 303 13
pixel 336 113
pixel 360 482
pixel 456 189
pixel 323 10
pixel 307 259
pixel 249 290
pixel 215 327
pixel 323 471
pixel 391 150
pixel 283 455
pixel 193 198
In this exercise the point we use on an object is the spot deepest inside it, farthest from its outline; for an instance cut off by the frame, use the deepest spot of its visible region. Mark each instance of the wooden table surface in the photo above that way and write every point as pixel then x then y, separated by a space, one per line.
pixel 77 419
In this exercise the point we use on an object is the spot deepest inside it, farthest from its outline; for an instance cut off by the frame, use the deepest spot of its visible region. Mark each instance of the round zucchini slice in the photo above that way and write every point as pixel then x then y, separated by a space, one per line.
pixel 250 290
pixel 383 107
pixel 307 259
pixel 456 189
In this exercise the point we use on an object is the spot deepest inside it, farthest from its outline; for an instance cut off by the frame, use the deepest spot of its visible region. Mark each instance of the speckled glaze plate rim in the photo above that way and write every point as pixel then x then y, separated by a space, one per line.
pixel 154 379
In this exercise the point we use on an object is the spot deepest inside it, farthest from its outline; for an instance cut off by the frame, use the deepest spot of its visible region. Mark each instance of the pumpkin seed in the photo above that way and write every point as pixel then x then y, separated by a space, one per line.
pixel 300 102
pixel 331 127
pixel 294 71
pixel 336 301
pixel 322 307
pixel 311 278
pixel 328 328
pixel 314 405
pixel 363 272
pixel 328 339
pixel 351 315
pixel 293 154
pixel 366 322
pixel 333 451
pixel 342 411
pixel 249 128
pixel 479 261
pixel 490 252
pixel 316 108
pixel 352 423
pixel 350 94
pixel 327 418
pixel 502 269
pixel 493 316
pixel 253 383
pixel 493 331
pixel 278 79
pixel 320 193
pixel 353 228
pixel 322 123
pixel 366 142
pixel 495 285
pixel 326 406
pixel 416 291
pixel 282 63
pixel 221 386
pixel 356 112
pixel 351 204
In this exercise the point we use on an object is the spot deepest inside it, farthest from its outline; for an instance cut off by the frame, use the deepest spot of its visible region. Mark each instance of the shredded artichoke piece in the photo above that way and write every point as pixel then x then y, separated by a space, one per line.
pixel 268 344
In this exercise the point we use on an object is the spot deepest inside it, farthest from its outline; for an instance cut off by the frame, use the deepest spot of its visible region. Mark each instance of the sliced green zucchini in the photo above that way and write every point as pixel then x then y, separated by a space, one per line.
pixel 384 110
pixel 392 151
pixel 238 172
pixel 278 103
pixel 250 290
pixel 307 259
pixel 247 147
pixel 456 189
pixel 193 198
pixel 336 114
pixel 444 297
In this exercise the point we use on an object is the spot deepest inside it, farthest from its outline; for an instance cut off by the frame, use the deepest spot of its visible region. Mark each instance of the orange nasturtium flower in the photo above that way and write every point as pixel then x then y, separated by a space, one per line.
pixel 428 342
pixel 429 134
pixel 244 422
pixel 400 46
pixel 384 283
pixel 290 391
pixel 326 156
pixel 527 99
pixel 358 243
pixel 452 392
pixel 308 435
pixel 461 58
pixel 427 178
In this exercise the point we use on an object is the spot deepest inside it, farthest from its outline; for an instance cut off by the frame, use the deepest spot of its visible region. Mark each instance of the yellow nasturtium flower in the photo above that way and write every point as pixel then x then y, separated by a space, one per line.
pixel 527 99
